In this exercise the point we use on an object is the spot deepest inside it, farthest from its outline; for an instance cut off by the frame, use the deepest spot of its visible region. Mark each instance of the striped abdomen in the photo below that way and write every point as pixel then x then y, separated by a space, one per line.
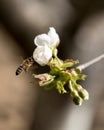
pixel 19 69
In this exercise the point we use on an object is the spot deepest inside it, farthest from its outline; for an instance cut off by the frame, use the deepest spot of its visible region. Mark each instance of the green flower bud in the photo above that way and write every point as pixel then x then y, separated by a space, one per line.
pixel 83 94
pixel 77 100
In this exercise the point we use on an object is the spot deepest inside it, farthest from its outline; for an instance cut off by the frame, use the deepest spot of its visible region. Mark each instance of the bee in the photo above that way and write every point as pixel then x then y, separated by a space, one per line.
pixel 26 64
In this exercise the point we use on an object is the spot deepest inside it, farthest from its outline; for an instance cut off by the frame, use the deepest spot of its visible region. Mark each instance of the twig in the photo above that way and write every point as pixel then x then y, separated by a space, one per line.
pixel 89 63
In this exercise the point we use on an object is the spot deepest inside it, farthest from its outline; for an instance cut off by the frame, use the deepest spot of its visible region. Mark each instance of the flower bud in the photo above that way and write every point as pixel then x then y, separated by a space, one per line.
pixel 45 79
pixel 83 94
pixel 77 100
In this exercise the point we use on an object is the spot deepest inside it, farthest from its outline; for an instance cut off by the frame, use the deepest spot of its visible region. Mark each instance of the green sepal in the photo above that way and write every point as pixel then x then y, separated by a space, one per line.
pixel 60 87
pixel 69 63
pixel 77 75
pixel 50 86
pixel 46 82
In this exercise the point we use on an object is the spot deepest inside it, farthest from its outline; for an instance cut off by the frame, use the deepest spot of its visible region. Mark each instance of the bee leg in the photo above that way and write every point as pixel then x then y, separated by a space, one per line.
pixel 27 69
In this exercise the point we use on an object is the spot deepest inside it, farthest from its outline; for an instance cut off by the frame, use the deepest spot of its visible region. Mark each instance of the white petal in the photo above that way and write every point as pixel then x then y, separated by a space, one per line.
pixel 42 55
pixel 54 37
pixel 86 95
pixel 42 40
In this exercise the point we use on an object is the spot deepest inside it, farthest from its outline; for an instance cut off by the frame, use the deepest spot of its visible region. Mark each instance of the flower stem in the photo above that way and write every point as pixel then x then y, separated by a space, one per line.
pixel 89 63
pixel 56 57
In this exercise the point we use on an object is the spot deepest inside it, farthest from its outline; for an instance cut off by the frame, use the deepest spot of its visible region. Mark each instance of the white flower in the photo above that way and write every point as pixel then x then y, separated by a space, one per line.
pixel 42 55
pixel 51 39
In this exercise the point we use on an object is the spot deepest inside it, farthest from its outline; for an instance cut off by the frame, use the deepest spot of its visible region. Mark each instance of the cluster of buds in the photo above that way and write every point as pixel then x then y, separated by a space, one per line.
pixel 62 75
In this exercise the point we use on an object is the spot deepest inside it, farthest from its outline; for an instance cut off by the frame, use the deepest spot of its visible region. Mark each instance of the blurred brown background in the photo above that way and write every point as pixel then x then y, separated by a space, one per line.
pixel 80 25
